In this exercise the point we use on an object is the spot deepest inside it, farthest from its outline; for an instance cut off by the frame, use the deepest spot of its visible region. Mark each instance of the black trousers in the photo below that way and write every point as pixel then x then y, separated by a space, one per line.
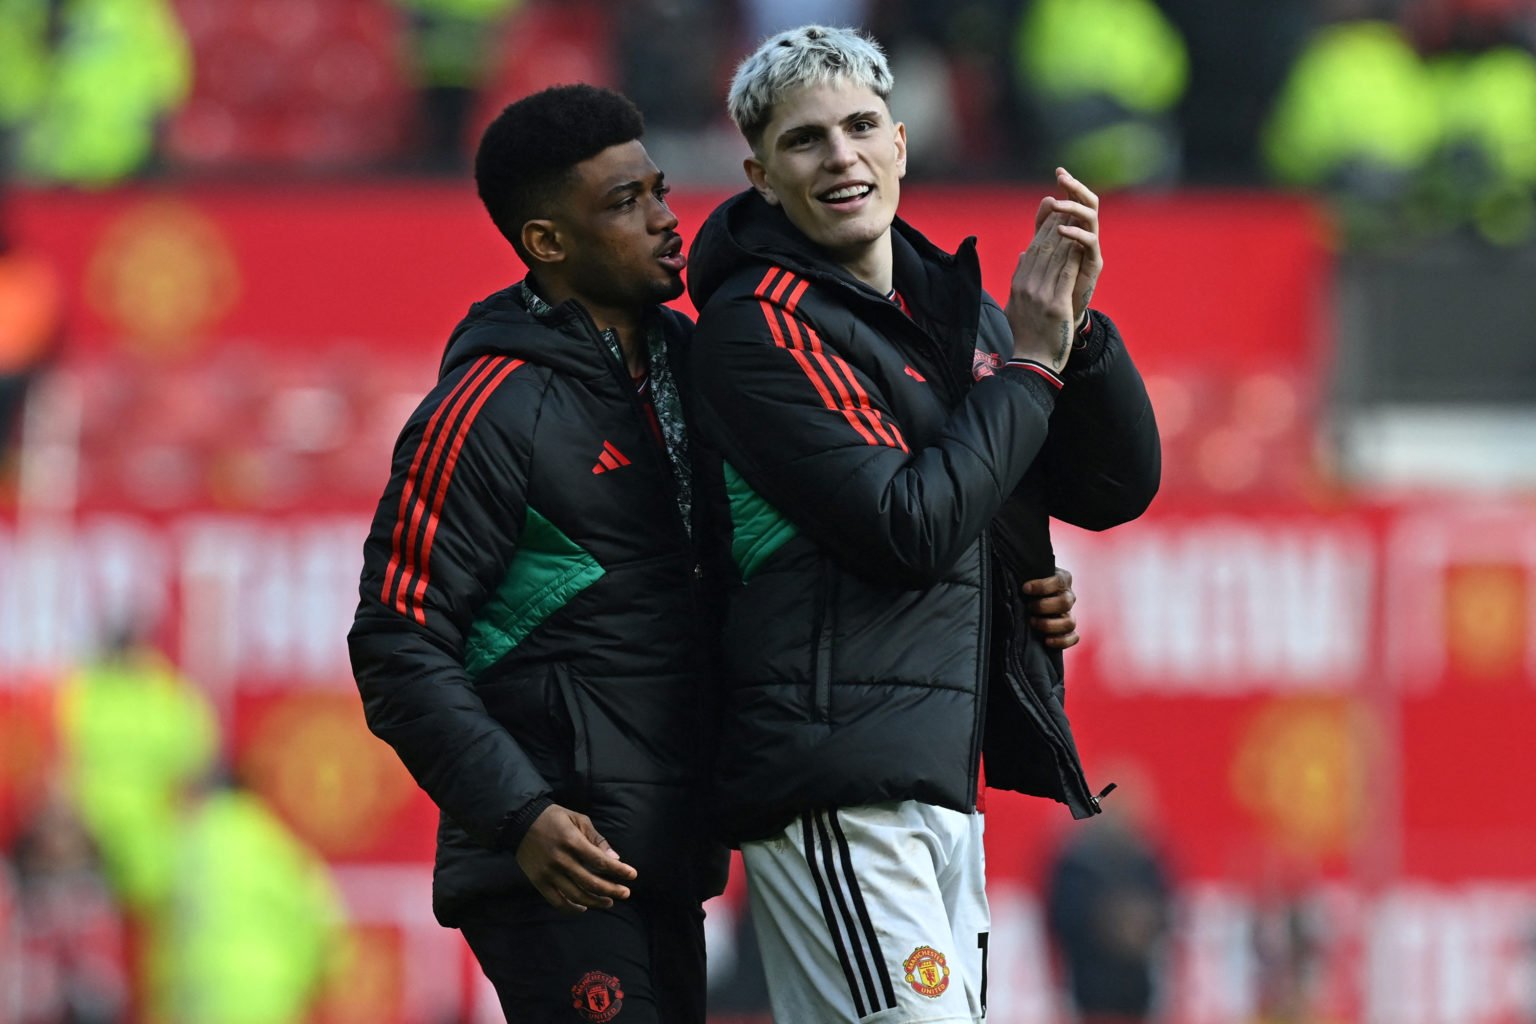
pixel 633 963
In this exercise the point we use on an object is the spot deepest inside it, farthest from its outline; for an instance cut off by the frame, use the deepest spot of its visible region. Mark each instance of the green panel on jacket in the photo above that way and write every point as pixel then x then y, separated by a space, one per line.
pixel 546 572
pixel 758 529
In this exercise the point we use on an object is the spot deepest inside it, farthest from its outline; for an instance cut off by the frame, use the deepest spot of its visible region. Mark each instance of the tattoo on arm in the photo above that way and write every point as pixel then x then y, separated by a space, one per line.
pixel 1066 346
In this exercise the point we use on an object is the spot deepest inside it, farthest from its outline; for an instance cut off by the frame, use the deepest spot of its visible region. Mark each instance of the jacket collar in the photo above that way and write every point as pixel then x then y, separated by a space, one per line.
pixel 516 321
pixel 746 230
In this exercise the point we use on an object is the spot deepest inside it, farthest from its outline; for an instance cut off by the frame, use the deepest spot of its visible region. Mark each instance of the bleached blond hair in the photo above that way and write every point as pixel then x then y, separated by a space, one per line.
pixel 800 57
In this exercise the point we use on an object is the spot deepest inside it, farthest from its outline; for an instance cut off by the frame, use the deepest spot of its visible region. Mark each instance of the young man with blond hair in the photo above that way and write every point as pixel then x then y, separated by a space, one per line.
pixel 891 444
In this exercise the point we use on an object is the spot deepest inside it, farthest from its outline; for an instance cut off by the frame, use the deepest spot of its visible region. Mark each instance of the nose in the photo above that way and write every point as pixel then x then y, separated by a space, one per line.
pixel 663 219
pixel 840 152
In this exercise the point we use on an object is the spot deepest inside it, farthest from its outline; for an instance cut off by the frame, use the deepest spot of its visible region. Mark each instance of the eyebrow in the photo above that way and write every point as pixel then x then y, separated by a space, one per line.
pixel 858 115
pixel 637 185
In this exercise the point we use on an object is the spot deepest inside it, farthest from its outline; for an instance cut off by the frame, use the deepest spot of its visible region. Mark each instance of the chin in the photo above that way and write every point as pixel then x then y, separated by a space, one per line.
pixel 853 238
pixel 666 291
pixel 845 234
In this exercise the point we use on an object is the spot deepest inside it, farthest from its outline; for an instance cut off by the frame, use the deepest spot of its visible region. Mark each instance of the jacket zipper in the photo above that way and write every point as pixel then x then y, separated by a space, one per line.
pixel 1072 778
pixel 1067 767
pixel 934 355
pixel 822 691
pixel 657 447
pixel 983 670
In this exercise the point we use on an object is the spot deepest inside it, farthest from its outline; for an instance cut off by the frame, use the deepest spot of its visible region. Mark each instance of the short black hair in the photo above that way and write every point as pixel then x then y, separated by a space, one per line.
pixel 528 151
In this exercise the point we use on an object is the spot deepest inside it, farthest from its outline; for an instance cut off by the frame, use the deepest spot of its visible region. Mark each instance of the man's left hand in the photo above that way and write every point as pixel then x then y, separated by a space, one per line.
pixel 1050 602
pixel 1080 222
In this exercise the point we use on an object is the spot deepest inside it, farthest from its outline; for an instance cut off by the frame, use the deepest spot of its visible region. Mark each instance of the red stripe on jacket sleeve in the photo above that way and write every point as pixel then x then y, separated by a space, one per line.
pixel 771 314
pixel 838 367
pixel 434 517
pixel 780 326
pixel 401 554
pixel 765 286
pixel 794 296
pixel 846 404
pixel 431 480
pixel 827 373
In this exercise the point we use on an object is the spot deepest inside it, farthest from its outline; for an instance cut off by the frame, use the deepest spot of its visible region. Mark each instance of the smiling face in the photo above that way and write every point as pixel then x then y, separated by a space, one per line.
pixel 618 246
pixel 833 158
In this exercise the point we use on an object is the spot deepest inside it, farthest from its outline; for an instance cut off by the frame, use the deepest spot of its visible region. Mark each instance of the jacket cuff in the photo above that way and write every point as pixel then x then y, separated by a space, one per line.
pixel 1029 377
pixel 1088 347
pixel 1044 372
pixel 516 825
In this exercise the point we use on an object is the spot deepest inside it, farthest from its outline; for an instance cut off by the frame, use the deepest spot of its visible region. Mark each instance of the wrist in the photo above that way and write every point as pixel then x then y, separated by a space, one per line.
pixel 515 826
pixel 1039 368
pixel 1088 347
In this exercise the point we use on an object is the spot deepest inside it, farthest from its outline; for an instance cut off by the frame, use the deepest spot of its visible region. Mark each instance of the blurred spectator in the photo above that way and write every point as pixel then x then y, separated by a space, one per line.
pixel 762 18
pixel 234 920
pixel 925 97
pixel 70 958
pixel 1484 78
pixel 954 86
pixel 87 84
pixel 31 312
pixel 1239 55
pixel 674 61
pixel 1287 949
pixel 135 737
pixel 452 52
pixel 1108 911
pixel 255 925
pixel 1106 77
pixel 1358 119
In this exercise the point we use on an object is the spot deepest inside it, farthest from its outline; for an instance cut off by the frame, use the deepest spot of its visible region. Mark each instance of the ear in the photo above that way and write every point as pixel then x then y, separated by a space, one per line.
pixel 543 242
pixel 757 175
pixel 901 149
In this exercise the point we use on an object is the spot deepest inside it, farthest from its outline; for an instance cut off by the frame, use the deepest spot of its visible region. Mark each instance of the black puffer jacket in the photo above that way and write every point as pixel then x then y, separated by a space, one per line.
pixel 530 626
pixel 888 481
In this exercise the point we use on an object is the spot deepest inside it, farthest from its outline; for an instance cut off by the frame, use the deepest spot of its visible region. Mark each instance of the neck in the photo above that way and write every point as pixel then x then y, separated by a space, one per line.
pixel 630 342
pixel 872 264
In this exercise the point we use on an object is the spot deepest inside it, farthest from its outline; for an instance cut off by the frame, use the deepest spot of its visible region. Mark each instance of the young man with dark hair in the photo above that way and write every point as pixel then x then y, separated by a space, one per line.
pixel 531 637
pixel 535 637
pixel 892 445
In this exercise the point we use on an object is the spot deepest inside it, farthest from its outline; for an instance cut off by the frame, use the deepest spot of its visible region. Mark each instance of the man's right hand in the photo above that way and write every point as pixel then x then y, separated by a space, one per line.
pixel 1040 298
pixel 570 864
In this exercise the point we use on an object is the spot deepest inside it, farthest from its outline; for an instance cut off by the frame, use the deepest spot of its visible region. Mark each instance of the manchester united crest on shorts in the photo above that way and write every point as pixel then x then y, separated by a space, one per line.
pixel 598 996
pixel 927 971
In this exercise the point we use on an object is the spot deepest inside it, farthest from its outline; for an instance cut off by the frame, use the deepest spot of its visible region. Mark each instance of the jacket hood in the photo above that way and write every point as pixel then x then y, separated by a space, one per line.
pixel 747 231
pixel 567 341
pixel 743 230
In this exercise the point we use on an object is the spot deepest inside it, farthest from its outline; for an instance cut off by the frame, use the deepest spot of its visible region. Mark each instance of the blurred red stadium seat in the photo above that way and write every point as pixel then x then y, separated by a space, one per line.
pixel 314 87
pixel 548 43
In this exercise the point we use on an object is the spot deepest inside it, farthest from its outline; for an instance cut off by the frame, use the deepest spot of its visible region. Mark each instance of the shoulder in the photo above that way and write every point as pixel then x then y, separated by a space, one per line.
pixel 760 283
pixel 496 393
pixel 750 305
pixel 492 375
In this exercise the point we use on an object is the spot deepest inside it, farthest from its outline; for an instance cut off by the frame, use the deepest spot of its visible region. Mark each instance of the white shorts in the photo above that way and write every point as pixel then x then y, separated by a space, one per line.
pixel 875 914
